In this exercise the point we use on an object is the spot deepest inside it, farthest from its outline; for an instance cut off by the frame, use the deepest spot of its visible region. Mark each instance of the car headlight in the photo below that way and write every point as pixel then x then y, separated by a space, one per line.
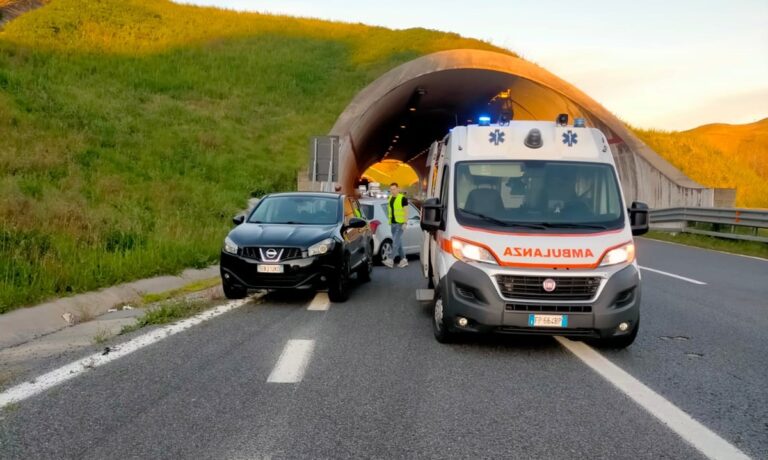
pixel 622 254
pixel 230 246
pixel 323 247
pixel 469 252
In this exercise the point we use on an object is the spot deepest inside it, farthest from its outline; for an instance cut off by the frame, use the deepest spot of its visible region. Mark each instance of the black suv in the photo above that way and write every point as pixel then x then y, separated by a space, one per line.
pixel 298 240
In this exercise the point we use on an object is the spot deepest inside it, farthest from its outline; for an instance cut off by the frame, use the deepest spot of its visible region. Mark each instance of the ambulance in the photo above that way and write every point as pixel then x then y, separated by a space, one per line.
pixel 526 231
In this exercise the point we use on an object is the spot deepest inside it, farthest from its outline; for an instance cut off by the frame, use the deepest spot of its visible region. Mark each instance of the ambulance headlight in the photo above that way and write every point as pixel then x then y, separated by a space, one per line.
pixel 621 255
pixel 468 252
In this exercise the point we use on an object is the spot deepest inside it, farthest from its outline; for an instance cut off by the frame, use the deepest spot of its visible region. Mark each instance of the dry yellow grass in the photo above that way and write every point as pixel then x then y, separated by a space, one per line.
pixel 720 155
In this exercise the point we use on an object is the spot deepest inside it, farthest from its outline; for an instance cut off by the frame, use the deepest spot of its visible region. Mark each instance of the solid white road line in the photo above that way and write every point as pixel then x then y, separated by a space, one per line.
pixel 672 275
pixel 320 302
pixel 702 438
pixel 292 362
pixel 27 389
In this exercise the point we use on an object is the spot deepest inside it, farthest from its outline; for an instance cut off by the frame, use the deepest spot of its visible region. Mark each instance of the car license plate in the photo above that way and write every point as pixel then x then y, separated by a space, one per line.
pixel 548 320
pixel 270 268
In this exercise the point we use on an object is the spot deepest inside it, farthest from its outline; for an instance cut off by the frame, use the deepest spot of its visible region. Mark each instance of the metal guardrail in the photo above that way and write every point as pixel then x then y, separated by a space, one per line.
pixel 678 219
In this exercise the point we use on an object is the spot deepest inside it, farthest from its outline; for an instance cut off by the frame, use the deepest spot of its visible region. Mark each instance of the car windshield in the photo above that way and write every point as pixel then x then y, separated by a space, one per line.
pixel 298 209
pixel 538 195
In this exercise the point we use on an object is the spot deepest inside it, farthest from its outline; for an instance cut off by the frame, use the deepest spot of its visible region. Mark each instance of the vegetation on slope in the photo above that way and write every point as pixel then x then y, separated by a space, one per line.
pixel 132 130
pixel 720 155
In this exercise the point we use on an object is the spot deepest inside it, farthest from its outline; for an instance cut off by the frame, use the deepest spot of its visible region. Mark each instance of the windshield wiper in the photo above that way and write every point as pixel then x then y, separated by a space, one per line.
pixel 568 225
pixel 504 223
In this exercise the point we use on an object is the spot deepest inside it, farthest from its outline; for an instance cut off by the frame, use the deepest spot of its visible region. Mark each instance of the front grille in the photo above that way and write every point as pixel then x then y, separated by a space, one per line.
pixel 255 252
pixel 550 308
pixel 531 287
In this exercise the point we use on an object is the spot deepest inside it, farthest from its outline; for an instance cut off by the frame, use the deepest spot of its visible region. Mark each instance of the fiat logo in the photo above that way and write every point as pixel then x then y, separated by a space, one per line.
pixel 549 285
pixel 272 253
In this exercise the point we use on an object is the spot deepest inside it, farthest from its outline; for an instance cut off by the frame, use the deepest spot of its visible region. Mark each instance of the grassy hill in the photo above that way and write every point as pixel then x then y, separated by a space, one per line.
pixel 132 130
pixel 720 155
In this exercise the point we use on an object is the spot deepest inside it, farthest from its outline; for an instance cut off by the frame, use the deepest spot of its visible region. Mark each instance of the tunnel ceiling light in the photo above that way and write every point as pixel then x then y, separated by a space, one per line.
pixel 394 141
pixel 403 126
pixel 412 109
pixel 397 136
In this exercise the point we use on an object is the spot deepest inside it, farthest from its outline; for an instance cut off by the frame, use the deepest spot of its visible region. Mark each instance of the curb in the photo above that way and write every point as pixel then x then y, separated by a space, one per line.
pixel 25 324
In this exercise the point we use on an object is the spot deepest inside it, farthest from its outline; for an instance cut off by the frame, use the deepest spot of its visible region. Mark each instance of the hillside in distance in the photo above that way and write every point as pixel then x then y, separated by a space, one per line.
pixel 719 155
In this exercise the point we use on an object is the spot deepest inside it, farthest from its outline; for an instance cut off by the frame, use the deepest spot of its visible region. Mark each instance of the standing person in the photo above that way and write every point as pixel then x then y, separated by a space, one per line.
pixel 397 212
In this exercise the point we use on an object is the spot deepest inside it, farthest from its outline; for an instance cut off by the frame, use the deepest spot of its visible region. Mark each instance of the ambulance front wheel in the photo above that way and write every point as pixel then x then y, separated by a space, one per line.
pixel 440 324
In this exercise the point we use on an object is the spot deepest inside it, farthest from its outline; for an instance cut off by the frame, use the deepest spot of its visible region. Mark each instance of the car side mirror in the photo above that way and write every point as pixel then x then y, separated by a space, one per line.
pixel 638 218
pixel 432 215
pixel 356 222
pixel 239 219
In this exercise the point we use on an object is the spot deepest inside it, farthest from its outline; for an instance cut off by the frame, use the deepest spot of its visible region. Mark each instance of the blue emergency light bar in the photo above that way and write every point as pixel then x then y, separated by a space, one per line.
pixel 483 120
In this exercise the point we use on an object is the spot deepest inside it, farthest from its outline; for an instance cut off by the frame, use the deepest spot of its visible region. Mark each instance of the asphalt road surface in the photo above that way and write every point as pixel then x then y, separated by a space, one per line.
pixel 294 377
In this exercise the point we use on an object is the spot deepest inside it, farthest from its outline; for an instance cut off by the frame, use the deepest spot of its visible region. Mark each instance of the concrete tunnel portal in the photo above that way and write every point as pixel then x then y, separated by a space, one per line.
pixel 399 115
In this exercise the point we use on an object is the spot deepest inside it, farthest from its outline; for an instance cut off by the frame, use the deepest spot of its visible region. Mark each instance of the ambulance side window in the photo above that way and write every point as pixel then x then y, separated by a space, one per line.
pixel 444 187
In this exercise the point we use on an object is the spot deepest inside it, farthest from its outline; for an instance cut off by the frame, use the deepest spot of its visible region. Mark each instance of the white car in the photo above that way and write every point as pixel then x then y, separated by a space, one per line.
pixel 375 211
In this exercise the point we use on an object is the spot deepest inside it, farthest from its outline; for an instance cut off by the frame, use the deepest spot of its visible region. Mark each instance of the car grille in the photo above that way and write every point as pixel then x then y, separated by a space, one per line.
pixel 551 308
pixel 254 252
pixel 531 287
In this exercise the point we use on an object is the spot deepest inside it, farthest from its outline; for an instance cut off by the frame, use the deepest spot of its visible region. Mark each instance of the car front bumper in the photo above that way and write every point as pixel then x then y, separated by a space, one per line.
pixel 472 293
pixel 307 273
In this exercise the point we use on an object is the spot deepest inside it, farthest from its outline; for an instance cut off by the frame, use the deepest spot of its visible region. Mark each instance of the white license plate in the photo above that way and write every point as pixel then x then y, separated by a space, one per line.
pixel 548 320
pixel 270 269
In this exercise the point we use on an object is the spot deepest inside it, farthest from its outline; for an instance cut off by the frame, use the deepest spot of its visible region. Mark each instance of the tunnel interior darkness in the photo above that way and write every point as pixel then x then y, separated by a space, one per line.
pixel 399 115
pixel 403 124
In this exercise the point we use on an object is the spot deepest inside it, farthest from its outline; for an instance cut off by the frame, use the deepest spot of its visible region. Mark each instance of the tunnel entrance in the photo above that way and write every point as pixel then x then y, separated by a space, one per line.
pixel 388 171
pixel 399 115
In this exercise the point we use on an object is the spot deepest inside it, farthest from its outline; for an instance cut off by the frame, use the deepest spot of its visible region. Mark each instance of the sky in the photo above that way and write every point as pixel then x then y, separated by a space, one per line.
pixel 673 64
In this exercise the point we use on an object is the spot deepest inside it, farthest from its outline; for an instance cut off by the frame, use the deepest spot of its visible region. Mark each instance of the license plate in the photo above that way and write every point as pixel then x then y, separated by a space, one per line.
pixel 548 320
pixel 270 269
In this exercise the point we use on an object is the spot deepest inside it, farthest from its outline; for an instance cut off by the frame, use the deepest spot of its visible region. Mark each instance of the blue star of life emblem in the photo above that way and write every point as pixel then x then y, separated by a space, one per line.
pixel 496 137
pixel 569 138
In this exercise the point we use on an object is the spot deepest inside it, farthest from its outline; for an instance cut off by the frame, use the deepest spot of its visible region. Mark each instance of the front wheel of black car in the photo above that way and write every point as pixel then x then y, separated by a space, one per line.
pixel 338 290
pixel 232 292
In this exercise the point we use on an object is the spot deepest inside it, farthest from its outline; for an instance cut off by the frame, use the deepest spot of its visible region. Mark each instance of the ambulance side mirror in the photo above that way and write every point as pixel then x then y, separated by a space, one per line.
pixel 638 218
pixel 432 215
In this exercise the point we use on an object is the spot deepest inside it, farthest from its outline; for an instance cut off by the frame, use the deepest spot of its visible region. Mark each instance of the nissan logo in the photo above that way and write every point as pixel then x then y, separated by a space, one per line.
pixel 272 253
pixel 549 285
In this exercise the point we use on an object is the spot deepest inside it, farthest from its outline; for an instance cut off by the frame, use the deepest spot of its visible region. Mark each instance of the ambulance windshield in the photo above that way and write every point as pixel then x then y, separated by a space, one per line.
pixel 538 195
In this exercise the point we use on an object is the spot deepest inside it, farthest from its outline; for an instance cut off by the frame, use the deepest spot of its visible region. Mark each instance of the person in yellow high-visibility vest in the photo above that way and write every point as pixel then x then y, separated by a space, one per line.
pixel 397 211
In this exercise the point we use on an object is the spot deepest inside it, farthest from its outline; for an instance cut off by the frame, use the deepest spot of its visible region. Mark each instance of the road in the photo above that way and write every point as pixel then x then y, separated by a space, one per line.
pixel 371 382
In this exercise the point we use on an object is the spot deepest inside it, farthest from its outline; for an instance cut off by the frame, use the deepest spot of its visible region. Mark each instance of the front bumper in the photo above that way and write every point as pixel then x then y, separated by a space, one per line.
pixel 471 292
pixel 306 273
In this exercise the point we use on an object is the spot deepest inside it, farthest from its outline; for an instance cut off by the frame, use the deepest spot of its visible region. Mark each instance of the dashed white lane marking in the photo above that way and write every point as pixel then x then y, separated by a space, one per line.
pixel 320 302
pixel 702 438
pixel 672 275
pixel 292 362
pixel 27 389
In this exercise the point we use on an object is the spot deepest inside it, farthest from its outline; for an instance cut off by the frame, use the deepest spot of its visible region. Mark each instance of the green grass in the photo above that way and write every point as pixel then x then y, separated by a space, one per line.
pixel 132 130
pixel 189 288
pixel 747 248
pixel 167 312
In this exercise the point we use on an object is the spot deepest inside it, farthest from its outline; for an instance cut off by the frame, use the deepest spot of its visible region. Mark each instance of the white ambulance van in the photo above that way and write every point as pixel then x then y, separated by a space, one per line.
pixel 527 232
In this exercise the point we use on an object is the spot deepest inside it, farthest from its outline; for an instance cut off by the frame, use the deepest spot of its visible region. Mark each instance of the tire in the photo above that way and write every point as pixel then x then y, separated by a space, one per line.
pixel 385 251
pixel 365 270
pixel 232 292
pixel 338 290
pixel 440 327
pixel 620 342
